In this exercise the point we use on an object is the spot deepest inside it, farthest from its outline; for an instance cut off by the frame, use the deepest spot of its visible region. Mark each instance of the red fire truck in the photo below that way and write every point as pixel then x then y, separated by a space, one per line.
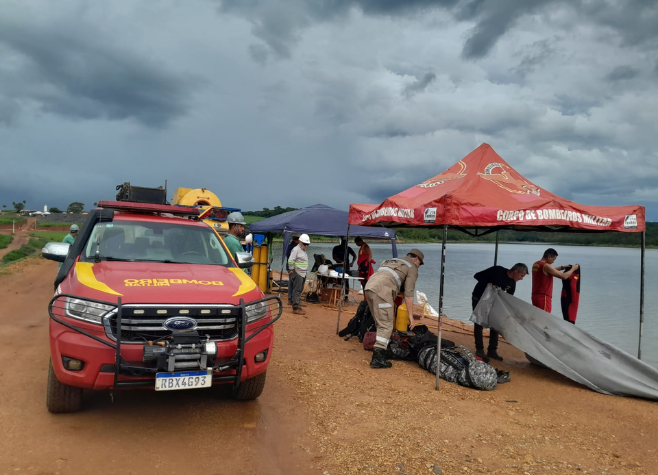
pixel 148 296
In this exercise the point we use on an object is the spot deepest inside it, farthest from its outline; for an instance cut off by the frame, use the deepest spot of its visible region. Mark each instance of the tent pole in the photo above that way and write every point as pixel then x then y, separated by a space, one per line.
pixel 639 343
pixel 346 259
pixel 496 253
pixel 443 268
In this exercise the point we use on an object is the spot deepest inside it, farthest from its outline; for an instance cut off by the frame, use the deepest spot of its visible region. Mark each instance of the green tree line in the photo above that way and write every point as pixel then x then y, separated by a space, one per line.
pixel 268 213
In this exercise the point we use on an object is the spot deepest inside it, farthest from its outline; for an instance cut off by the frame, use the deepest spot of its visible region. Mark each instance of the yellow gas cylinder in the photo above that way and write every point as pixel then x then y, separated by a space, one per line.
pixel 255 269
pixel 262 271
pixel 402 318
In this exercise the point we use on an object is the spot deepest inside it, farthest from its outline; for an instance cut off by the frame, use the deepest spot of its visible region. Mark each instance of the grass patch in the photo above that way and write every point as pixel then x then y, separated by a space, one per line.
pixel 52 225
pixel 49 236
pixel 5 240
pixel 6 220
pixel 33 247
pixel 14 255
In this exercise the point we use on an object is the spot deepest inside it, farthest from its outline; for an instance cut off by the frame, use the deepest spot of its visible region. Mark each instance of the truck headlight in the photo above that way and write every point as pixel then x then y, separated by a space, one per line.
pixel 91 312
pixel 256 311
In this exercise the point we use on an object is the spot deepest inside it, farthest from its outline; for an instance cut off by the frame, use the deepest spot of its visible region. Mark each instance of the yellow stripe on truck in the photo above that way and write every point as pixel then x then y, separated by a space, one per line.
pixel 86 276
pixel 246 284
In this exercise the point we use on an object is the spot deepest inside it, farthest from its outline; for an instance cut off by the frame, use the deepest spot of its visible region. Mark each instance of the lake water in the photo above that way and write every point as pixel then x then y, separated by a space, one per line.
pixel 609 294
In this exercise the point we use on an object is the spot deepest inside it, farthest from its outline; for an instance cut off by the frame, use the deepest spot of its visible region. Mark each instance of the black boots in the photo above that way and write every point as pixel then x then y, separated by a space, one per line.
pixel 379 359
pixel 491 355
pixel 480 354
pixel 494 355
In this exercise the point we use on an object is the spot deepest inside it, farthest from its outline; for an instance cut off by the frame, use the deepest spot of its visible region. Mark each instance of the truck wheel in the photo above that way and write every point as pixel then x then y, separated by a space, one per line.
pixel 251 388
pixel 62 398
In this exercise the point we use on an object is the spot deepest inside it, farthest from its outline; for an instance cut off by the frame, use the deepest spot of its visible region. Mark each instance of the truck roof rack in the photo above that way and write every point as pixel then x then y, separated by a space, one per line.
pixel 148 208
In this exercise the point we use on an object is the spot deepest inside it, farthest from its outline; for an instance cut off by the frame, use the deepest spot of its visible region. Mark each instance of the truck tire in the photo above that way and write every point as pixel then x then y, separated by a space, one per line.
pixel 61 398
pixel 251 388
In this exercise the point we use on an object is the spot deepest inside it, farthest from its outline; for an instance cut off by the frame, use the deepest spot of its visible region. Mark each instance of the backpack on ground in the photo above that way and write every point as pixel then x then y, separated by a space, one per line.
pixel 458 365
pixel 312 297
pixel 407 345
pixel 369 340
pixel 360 324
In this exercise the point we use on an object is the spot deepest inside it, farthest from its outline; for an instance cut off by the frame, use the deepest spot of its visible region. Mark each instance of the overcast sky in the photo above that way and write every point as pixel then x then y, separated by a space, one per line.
pixel 294 102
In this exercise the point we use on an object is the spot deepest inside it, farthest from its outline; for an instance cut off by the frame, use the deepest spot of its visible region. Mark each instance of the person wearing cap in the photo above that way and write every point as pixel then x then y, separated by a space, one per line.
pixel 236 224
pixel 298 265
pixel 394 276
pixel 542 279
pixel 70 237
pixel 501 277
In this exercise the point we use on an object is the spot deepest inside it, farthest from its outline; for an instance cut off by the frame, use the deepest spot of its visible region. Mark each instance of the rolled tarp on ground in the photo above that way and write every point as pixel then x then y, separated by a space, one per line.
pixel 565 348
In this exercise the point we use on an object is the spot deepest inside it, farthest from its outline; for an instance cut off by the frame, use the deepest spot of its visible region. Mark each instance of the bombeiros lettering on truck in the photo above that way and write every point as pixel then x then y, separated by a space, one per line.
pixel 149 297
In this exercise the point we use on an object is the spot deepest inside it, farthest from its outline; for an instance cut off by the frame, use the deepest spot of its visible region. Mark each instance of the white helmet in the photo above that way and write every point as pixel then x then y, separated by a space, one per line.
pixel 304 239
pixel 249 239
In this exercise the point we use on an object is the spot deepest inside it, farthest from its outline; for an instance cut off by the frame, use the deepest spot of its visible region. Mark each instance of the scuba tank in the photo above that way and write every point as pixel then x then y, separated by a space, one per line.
pixel 402 318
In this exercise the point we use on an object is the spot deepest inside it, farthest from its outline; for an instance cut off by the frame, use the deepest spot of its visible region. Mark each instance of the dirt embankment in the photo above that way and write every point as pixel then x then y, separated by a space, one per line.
pixel 324 411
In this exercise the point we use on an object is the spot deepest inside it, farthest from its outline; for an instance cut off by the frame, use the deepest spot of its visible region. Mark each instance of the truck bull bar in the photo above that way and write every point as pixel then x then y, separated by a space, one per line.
pixel 122 367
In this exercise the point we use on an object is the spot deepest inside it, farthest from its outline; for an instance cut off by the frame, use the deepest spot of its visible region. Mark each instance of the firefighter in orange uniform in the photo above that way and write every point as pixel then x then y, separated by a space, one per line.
pixel 542 279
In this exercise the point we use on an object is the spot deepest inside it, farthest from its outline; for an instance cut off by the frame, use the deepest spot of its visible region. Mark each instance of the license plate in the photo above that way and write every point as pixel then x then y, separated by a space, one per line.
pixel 183 380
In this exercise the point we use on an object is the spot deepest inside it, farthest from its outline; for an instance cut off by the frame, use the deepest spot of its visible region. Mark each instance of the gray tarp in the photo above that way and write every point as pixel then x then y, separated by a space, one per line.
pixel 565 348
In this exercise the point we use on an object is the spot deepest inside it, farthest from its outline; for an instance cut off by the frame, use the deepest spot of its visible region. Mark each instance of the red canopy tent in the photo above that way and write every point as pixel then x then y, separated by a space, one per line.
pixel 482 193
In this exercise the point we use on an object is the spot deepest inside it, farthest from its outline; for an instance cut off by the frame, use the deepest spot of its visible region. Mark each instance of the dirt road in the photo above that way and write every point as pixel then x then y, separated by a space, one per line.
pixel 21 237
pixel 324 411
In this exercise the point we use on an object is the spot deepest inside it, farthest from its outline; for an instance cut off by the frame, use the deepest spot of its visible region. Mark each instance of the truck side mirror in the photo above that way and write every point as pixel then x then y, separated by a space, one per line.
pixel 244 260
pixel 56 251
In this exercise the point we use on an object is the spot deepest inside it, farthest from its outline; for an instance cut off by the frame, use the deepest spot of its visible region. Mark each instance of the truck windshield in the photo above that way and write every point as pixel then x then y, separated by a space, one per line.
pixel 155 242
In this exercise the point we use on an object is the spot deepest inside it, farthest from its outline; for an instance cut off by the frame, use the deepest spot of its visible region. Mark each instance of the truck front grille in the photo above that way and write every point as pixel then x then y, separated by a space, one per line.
pixel 140 323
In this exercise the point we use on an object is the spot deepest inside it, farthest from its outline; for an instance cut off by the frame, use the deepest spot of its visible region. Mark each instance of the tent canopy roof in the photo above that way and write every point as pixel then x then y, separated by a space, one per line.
pixel 483 191
pixel 320 220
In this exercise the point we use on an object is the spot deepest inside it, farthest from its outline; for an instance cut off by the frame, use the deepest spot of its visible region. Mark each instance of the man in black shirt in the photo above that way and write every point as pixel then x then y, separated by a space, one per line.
pixel 338 253
pixel 506 280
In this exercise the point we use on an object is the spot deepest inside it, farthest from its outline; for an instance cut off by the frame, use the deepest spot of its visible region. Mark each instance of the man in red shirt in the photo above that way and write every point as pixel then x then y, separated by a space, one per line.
pixel 542 279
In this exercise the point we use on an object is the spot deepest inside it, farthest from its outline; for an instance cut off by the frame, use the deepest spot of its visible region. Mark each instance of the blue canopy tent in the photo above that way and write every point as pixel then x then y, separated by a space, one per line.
pixel 320 220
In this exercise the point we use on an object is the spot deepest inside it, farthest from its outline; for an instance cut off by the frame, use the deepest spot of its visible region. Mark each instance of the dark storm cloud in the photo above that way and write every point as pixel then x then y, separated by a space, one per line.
pixel 636 21
pixel 493 21
pixel 9 111
pixel 622 73
pixel 535 56
pixel 574 105
pixel 418 86
pixel 278 23
pixel 74 73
